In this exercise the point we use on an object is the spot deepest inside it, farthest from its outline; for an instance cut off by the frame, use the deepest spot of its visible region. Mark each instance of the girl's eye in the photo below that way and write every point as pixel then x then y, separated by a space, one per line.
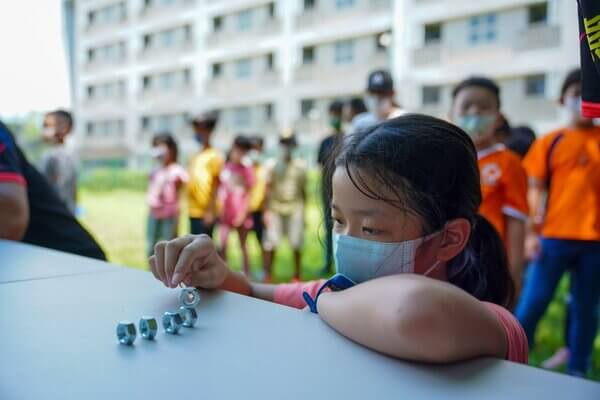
pixel 370 231
pixel 337 221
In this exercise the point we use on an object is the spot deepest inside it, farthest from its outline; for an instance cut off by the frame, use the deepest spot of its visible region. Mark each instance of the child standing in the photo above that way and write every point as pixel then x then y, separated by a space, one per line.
pixel 424 277
pixel 476 109
pixel 564 234
pixel 163 191
pixel 237 179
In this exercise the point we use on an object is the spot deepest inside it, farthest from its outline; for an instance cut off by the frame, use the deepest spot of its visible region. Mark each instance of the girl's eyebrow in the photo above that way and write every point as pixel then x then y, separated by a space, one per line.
pixel 360 211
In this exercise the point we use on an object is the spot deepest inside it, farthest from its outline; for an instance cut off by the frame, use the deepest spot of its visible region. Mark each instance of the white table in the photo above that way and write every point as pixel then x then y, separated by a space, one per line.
pixel 58 314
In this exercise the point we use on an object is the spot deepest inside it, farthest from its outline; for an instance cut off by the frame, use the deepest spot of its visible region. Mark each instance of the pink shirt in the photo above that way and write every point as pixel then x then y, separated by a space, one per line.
pixel 518 350
pixel 163 193
pixel 236 183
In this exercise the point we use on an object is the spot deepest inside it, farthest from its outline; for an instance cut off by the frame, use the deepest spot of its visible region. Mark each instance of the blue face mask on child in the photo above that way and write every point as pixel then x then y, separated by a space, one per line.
pixel 359 260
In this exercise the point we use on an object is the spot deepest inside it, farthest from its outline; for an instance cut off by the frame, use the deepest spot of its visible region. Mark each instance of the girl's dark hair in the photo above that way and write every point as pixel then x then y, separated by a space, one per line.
pixel 573 77
pixel 478 81
pixel 168 140
pixel 430 166
pixel 242 142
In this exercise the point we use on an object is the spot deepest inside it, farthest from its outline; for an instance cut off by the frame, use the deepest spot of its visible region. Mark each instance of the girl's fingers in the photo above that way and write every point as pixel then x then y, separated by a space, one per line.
pixel 196 250
pixel 159 256
pixel 172 251
pixel 152 262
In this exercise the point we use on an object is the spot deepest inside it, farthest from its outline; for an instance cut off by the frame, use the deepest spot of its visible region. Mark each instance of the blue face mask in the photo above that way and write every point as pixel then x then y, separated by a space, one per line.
pixel 476 125
pixel 359 260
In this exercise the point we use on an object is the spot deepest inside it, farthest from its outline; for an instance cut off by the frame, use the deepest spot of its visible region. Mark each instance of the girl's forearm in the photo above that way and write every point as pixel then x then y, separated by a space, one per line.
pixel 238 283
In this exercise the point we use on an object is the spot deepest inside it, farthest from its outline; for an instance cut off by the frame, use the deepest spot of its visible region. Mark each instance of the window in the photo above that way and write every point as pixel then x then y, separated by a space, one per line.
pixel 146 82
pixel 244 20
pixel 430 95
pixel 166 80
pixel 308 55
pixel 538 13
pixel 306 106
pixel 241 116
pixel 271 10
pixel 383 41
pixel 168 38
pixel 89 129
pixel 344 3
pixel 90 92
pixel 91 53
pixel 147 41
pixel 146 123
pixel 482 29
pixel 217 24
pixel 187 33
pixel 243 68
pixel 344 52
pixel 535 85
pixel 187 77
pixel 433 33
pixel 270 62
pixel 269 111
pixel 217 70
pixel 309 4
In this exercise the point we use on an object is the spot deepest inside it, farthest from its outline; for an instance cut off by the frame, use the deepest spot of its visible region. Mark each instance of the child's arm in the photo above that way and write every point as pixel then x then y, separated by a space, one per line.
pixel 415 318
pixel 194 260
pixel 515 232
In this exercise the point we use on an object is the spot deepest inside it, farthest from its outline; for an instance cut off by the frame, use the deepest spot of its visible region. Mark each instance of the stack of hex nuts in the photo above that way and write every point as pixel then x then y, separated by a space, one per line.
pixel 171 321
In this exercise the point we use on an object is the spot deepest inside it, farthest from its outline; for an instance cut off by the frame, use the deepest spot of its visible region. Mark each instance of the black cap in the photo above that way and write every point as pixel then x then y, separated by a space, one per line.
pixel 209 118
pixel 380 81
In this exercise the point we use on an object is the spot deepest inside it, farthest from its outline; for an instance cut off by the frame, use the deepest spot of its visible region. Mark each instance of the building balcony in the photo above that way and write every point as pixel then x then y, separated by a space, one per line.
pixel 215 39
pixel 95 66
pixel 341 78
pixel 320 15
pixel 164 11
pixel 102 104
pixel 538 37
pixel 161 52
pixel 232 87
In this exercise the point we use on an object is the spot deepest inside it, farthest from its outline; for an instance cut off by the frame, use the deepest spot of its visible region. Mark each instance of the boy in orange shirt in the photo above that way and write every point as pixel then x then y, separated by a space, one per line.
pixel 564 197
pixel 476 109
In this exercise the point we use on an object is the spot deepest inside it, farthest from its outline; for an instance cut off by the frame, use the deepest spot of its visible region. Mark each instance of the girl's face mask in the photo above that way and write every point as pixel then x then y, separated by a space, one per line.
pixel 361 260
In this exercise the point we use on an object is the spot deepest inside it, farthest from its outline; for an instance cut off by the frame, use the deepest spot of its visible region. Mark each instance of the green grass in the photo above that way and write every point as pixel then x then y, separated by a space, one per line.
pixel 118 219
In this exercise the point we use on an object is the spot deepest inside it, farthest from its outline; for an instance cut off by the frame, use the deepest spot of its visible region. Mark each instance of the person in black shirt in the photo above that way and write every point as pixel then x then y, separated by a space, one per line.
pixel 31 210
pixel 326 151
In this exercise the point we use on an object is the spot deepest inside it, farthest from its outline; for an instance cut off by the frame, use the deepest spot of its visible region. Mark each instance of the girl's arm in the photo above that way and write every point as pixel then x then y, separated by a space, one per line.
pixel 515 233
pixel 415 318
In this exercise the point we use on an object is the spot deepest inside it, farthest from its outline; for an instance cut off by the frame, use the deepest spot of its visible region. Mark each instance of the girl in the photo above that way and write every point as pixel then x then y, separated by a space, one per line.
pixel 427 277
pixel 237 179
pixel 163 191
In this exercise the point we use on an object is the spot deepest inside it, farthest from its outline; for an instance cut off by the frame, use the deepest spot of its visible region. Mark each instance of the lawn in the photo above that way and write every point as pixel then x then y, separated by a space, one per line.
pixel 117 219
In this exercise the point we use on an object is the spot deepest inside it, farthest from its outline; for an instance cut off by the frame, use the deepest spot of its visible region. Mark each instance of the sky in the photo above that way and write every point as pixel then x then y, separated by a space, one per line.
pixel 33 68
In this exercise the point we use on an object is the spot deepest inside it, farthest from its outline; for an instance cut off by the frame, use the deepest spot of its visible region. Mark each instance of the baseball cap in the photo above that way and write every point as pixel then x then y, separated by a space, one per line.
pixel 209 117
pixel 380 81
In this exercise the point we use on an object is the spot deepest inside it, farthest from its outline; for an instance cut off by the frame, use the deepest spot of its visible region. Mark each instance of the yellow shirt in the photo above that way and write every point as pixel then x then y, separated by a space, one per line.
pixel 257 194
pixel 287 182
pixel 205 168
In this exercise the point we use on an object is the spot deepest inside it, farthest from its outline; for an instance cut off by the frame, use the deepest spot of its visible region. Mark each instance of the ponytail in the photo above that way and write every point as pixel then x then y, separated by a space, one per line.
pixel 482 267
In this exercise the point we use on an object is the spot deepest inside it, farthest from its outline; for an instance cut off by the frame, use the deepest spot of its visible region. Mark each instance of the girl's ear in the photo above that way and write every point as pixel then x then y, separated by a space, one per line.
pixel 454 239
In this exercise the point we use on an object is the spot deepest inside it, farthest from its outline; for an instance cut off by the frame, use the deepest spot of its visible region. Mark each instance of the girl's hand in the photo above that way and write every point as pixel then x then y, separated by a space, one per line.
pixel 191 259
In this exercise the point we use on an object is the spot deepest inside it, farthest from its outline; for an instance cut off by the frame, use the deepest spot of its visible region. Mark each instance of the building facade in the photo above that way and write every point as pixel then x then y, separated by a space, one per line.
pixel 144 66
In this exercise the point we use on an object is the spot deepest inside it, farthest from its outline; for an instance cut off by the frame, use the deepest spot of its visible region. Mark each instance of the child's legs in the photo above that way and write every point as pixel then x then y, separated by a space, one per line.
pixel 224 239
pixel 295 234
pixel 258 226
pixel 151 234
pixel 168 228
pixel 585 281
pixel 272 238
pixel 543 277
pixel 243 235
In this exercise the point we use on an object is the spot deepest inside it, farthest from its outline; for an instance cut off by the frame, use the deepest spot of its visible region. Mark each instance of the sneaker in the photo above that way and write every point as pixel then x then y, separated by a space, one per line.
pixel 560 358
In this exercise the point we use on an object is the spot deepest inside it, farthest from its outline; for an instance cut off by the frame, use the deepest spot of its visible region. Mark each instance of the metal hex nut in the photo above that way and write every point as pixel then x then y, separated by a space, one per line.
pixel 126 333
pixel 189 315
pixel 148 328
pixel 172 322
pixel 189 297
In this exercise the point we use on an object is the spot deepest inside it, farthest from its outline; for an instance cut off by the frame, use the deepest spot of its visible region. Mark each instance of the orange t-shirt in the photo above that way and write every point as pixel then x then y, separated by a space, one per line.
pixel 573 205
pixel 503 187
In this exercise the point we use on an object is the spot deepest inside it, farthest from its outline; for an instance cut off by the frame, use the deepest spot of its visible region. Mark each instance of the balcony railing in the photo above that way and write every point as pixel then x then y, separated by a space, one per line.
pixel 272 27
pixel 321 15
pixel 232 87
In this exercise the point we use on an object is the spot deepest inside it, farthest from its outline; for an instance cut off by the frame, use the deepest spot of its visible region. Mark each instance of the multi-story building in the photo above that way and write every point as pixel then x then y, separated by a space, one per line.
pixel 528 46
pixel 143 66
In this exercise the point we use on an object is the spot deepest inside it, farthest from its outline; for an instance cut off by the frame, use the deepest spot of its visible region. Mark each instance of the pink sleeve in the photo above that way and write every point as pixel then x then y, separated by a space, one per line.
pixel 249 176
pixel 182 174
pixel 516 340
pixel 290 294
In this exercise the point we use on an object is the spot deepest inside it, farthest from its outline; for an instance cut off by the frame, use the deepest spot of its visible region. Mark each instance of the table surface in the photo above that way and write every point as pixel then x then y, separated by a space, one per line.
pixel 58 315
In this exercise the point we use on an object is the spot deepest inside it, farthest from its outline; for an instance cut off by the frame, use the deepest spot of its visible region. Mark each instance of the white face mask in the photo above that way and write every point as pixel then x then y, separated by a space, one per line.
pixel 573 105
pixel 361 260
pixel 379 106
